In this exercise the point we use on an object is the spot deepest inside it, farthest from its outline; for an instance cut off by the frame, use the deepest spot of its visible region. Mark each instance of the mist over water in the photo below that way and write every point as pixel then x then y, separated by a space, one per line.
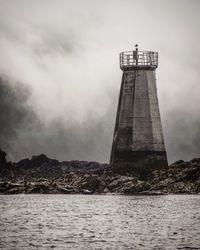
pixel 23 133
pixel 60 74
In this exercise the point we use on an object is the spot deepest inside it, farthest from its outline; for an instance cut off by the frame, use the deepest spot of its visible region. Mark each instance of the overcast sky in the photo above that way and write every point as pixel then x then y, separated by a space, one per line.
pixel 59 60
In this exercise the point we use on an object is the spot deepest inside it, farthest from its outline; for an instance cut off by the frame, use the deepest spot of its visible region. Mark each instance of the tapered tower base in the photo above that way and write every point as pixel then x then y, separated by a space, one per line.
pixel 138 138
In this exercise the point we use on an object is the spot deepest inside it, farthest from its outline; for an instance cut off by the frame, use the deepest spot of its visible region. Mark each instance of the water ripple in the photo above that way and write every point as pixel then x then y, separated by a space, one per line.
pixel 99 222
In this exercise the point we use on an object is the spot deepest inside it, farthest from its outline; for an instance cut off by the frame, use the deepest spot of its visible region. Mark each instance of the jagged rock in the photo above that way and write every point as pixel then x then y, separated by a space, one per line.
pixel 133 186
pixel 142 186
pixel 179 162
pixel 122 184
pixel 83 166
pixel 6 168
pixel 42 188
pixel 2 157
pixel 89 182
pixel 86 191
pixel 36 161
pixel 11 188
pixel 105 190
pixel 4 185
pixel 41 174
pixel 63 190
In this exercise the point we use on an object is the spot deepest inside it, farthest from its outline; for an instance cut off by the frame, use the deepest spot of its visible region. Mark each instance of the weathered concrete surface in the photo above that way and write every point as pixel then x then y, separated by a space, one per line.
pixel 138 131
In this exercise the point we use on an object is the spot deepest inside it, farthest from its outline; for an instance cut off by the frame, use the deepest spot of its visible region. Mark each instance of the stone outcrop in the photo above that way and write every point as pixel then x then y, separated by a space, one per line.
pixel 2 157
pixel 48 176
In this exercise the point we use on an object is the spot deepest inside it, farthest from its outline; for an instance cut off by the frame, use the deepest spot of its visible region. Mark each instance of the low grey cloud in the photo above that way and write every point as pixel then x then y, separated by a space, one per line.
pixel 59 61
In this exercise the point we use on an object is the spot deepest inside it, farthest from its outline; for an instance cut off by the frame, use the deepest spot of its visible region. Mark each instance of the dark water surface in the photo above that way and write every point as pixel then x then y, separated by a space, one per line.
pixel 99 222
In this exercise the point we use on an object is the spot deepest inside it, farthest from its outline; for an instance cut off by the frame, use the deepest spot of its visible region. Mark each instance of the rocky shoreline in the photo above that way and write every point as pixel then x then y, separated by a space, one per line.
pixel 48 176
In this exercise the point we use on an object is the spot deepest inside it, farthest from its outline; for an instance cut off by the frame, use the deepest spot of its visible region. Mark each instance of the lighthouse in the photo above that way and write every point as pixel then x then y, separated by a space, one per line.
pixel 138 137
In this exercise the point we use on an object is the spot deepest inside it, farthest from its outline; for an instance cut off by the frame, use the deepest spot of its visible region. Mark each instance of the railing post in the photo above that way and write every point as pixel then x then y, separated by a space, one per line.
pixel 136 50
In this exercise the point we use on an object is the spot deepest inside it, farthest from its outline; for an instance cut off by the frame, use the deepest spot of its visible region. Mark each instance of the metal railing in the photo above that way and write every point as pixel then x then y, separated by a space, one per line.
pixel 138 60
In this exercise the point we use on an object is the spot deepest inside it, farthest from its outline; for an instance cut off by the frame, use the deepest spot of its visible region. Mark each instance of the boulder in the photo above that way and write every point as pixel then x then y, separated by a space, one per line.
pixel 86 181
pixel 38 188
pixel 56 188
pixel 120 183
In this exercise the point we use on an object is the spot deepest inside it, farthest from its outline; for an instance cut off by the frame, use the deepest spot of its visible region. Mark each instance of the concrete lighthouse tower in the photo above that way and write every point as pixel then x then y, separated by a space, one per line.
pixel 138 137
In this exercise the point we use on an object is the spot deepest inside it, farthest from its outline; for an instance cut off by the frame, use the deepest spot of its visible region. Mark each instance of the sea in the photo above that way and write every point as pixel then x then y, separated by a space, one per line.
pixel 99 222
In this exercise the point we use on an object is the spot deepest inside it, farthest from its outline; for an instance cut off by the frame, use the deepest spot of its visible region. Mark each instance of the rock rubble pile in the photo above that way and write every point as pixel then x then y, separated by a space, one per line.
pixel 48 176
